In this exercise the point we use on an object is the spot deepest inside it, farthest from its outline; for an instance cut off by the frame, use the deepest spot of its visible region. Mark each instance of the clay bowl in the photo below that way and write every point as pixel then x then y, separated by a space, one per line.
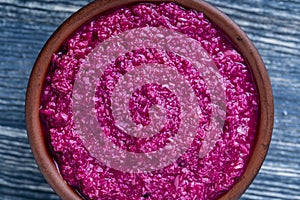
pixel 236 35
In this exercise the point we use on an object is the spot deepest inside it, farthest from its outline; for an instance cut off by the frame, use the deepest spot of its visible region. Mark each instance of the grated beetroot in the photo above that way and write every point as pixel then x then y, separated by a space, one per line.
pixel 190 177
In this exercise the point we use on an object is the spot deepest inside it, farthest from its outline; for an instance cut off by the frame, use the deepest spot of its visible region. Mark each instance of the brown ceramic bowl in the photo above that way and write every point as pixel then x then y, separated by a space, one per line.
pixel 235 34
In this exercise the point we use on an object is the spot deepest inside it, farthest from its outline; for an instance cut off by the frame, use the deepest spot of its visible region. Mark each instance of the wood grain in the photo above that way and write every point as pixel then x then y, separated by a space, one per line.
pixel 274 27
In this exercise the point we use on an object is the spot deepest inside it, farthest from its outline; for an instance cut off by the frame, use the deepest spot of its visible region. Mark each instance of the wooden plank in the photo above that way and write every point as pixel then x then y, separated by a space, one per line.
pixel 273 25
pixel 19 176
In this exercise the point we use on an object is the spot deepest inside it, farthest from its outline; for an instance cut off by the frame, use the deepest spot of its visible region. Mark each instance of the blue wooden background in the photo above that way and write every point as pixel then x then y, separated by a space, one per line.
pixel 273 25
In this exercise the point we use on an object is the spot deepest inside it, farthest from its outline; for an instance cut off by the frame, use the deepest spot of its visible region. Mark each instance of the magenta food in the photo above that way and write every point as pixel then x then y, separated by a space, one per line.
pixel 190 176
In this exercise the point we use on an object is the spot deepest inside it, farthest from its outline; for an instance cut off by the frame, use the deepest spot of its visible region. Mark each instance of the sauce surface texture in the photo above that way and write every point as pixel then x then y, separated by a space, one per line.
pixel 190 176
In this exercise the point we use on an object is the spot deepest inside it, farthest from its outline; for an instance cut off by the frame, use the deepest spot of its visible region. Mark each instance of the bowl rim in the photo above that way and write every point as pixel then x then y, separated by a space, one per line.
pixel 235 34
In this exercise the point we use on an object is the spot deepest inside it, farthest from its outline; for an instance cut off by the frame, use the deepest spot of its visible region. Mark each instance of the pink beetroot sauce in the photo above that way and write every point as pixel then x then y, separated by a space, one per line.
pixel 190 177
